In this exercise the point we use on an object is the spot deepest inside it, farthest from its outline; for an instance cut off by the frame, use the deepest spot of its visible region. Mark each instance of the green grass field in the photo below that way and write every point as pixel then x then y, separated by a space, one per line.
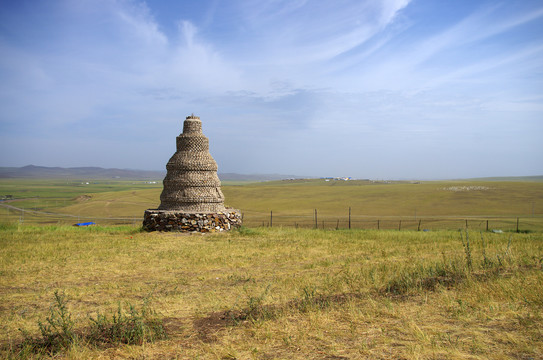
pixel 295 201
pixel 436 205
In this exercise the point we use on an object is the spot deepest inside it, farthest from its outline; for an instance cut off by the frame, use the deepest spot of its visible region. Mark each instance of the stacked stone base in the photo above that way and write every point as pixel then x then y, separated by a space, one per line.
pixel 171 220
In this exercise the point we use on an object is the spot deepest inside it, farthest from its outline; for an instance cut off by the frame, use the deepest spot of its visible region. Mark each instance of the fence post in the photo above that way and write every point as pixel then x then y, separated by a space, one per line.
pixel 418 229
pixel 487 225
pixel 271 218
pixel 337 225
pixel 466 223
pixel 378 225
pixel 316 226
pixel 400 226
pixel 349 217
pixel 517 226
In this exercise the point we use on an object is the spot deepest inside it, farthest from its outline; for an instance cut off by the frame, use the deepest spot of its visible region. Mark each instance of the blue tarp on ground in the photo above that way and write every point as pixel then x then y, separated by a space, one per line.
pixel 85 224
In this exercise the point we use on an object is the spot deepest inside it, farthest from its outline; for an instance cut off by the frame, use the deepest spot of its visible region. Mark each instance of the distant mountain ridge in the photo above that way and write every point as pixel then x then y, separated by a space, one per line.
pixel 81 173
pixel 98 173
pixel 33 171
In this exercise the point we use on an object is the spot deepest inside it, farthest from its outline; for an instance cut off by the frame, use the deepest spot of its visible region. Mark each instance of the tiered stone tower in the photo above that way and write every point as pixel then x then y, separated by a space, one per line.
pixel 192 200
pixel 191 183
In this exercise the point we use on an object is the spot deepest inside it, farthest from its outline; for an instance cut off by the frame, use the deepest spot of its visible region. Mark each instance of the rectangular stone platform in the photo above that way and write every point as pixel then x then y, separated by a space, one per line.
pixel 171 220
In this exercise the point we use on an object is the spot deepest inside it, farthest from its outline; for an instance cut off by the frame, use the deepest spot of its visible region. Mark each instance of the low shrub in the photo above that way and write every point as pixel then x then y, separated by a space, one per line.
pixel 58 332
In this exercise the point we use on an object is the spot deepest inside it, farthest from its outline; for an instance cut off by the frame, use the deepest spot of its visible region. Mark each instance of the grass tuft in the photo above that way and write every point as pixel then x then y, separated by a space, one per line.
pixel 8 226
pixel 57 333
pixel 256 309
pixel 133 327
pixel 245 231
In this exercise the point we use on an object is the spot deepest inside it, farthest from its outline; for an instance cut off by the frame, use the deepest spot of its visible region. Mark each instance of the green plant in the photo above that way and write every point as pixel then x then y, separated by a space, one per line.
pixel 424 278
pixel 309 293
pixel 57 332
pixel 311 299
pixel 8 226
pixel 243 230
pixel 487 263
pixel 135 326
pixel 467 250
pixel 132 327
pixel 256 310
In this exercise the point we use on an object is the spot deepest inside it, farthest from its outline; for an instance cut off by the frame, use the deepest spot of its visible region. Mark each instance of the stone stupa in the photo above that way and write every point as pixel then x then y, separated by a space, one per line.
pixel 192 200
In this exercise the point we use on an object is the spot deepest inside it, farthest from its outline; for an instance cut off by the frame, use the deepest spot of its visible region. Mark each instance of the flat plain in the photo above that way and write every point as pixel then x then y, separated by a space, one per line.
pixel 274 292
pixel 435 204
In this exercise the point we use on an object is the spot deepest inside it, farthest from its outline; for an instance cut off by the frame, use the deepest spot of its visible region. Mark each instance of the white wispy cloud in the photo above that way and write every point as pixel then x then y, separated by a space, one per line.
pixel 508 65
pixel 195 64
pixel 473 29
pixel 360 76
pixel 462 52
pixel 307 31
pixel 141 25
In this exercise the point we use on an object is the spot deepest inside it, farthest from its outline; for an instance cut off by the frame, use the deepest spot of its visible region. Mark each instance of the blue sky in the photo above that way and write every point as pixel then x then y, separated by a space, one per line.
pixel 384 89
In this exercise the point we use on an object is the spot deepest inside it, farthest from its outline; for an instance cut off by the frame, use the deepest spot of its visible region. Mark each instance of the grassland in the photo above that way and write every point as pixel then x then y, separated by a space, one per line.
pixel 296 200
pixel 279 293
pixel 438 205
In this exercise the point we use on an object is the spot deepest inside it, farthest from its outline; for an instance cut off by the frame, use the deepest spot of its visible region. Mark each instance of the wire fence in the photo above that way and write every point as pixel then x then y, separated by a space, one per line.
pixel 421 223
pixel 315 220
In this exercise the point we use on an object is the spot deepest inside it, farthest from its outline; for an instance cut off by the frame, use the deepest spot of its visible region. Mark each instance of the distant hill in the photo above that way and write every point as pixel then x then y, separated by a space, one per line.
pixel 94 173
pixel 82 173
pixel 43 172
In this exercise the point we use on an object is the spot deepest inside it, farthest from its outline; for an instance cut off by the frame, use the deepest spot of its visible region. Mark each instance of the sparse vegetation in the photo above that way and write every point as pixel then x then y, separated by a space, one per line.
pixel 134 326
pixel 276 293
pixel 58 332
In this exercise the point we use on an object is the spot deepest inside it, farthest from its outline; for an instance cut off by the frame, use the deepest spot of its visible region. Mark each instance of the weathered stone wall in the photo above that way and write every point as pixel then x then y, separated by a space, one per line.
pixel 164 220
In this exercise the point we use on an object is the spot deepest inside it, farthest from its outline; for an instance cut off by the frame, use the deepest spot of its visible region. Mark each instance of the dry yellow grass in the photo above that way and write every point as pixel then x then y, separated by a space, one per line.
pixel 284 293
